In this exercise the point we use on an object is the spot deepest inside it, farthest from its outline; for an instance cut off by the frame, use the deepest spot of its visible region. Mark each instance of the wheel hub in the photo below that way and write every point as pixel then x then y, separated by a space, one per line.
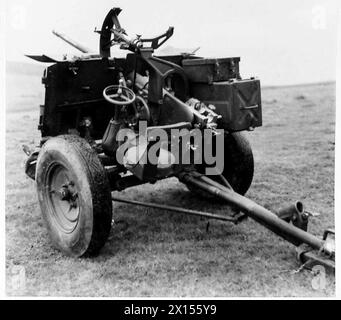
pixel 68 194
pixel 63 198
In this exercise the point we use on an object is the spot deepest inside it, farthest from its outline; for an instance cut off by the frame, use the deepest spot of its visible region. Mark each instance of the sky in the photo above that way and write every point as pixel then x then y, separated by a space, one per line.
pixel 281 42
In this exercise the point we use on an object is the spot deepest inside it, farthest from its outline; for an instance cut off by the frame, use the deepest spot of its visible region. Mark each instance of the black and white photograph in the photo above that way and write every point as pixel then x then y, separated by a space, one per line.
pixel 169 150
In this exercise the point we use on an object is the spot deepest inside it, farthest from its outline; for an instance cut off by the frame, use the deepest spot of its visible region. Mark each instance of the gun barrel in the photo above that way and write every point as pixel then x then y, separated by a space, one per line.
pixel 71 42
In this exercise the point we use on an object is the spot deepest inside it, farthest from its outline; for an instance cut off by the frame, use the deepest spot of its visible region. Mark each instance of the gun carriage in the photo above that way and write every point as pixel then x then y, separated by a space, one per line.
pixel 104 116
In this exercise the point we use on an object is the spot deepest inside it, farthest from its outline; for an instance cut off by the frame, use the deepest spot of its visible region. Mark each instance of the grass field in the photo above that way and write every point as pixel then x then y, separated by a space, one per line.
pixel 167 254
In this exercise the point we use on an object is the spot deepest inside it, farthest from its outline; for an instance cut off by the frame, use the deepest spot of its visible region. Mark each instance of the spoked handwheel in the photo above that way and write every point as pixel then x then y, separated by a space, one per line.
pixel 119 95
pixel 74 195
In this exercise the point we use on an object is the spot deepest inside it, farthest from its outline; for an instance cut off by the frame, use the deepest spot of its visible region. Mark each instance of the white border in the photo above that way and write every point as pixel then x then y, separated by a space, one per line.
pixel 338 155
pixel 2 146
pixel 2 183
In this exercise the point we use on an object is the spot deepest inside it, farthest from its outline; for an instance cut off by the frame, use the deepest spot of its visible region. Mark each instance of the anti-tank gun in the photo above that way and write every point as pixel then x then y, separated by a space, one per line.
pixel 112 123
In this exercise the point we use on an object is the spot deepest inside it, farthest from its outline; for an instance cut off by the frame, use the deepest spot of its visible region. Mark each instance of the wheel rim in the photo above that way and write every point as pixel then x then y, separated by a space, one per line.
pixel 62 198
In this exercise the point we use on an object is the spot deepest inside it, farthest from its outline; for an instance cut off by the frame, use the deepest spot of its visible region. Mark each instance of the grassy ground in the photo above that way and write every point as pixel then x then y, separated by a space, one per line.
pixel 165 254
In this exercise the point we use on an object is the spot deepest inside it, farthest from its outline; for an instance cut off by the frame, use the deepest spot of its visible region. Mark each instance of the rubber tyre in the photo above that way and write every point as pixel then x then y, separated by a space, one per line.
pixel 69 157
pixel 238 164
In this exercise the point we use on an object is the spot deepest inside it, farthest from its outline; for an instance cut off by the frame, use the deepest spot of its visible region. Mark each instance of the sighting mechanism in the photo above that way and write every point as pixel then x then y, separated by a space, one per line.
pixel 113 34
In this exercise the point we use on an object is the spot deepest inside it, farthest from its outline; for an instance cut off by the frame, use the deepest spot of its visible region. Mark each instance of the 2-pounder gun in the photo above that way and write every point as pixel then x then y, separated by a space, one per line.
pixel 111 123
